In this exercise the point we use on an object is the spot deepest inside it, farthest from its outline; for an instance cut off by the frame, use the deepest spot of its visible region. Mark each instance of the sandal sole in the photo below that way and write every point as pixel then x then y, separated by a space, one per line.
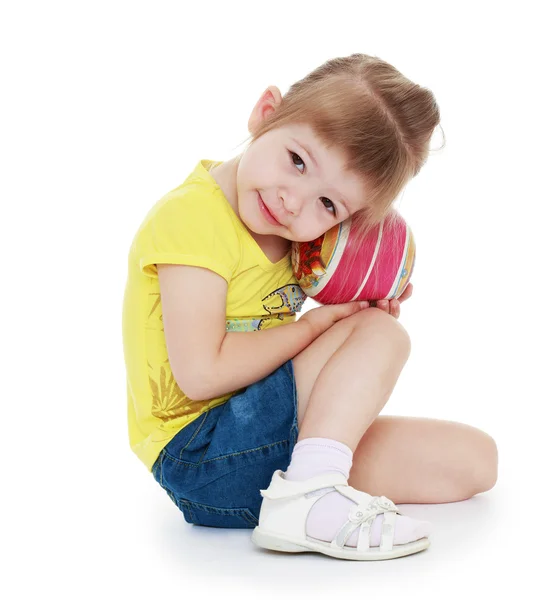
pixel 280 543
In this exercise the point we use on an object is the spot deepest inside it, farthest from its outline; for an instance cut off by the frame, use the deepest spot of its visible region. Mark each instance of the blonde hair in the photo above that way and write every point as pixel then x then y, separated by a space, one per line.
pixel 380 120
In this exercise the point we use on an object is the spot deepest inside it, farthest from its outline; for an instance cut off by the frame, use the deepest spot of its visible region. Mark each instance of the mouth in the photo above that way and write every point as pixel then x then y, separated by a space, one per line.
pixel 266 212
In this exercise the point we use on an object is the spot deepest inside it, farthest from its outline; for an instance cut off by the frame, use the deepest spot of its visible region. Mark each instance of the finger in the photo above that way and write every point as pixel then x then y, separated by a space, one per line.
pixel 355 306
pixel 407 293
pixel 384 305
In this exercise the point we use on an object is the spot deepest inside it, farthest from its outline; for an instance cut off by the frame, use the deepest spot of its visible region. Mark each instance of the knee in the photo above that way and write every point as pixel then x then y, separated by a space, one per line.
pixel 375 317
pixel 489 464
pixel 480 462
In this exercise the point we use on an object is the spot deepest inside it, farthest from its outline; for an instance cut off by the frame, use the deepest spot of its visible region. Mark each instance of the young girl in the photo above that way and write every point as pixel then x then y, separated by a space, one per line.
pixel 247 417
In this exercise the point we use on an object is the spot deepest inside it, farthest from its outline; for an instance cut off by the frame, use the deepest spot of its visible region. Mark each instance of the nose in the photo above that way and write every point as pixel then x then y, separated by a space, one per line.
pixel 291 202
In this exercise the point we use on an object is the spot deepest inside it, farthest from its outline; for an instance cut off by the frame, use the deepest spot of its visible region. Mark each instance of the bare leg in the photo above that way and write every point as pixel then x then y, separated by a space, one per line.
pixel 419 460
pixel 357 381
pixel 350 390
pixel 440 461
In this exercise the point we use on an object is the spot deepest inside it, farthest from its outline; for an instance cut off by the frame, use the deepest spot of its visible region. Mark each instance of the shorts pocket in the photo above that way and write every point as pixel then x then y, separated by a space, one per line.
pixel 212 516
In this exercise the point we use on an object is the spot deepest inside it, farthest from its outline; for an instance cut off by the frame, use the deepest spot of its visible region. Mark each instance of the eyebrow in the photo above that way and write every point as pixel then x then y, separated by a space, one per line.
pixel 342 200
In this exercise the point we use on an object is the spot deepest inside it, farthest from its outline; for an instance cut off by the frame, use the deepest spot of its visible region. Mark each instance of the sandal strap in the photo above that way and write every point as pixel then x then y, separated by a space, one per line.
pixel 347 529
pixel 388 529
pixel 286 488
pixel 363 499
pixel 364 536
pixel 363 516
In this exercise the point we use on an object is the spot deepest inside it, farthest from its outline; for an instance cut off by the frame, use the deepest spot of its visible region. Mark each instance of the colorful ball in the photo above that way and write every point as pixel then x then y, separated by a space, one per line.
pixel 340 266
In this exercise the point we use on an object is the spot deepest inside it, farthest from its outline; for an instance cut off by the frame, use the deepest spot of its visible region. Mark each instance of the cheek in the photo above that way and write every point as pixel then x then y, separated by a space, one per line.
pixel 308 229
pixel 273 173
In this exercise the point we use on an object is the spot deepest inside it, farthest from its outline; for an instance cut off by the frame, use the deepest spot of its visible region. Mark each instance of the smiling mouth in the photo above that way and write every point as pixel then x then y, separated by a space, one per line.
pixel 271 213
pixel 267 209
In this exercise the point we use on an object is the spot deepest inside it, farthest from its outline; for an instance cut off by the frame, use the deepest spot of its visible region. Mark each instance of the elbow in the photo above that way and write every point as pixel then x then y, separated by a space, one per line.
pixel 196 393
pixel 191 390
pixel 200 389
pixel 191 385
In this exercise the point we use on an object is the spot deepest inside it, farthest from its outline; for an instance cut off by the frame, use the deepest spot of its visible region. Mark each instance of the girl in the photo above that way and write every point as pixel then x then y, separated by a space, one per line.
pixel 279 430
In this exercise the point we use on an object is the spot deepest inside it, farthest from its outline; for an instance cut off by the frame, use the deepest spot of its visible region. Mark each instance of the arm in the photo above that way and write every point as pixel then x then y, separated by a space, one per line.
pixel 206 360
pixel 247 357
pixel 244 358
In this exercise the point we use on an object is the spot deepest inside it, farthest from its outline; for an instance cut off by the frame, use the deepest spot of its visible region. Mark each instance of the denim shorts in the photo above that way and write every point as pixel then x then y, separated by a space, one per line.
pixel 214 468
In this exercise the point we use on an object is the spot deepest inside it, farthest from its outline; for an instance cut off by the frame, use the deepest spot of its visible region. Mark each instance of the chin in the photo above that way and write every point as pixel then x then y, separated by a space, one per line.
pixel 305 239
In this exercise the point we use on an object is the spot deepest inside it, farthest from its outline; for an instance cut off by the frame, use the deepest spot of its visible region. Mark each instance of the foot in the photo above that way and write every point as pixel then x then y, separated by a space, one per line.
pixel 331 511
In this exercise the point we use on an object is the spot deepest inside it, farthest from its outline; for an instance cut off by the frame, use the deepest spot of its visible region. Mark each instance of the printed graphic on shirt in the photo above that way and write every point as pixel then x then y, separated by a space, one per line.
pixel 168 400
pixel 280 304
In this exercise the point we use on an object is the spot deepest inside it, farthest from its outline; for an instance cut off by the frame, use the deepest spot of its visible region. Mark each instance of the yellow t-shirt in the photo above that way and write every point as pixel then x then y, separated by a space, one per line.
pixel 191 225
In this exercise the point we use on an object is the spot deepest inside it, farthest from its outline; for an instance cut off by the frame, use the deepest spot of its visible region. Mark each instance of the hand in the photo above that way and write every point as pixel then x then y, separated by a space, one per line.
pixel 323 317
pixel 393 306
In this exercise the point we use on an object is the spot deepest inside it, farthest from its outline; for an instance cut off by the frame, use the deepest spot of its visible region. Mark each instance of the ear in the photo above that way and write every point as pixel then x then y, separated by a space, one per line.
pixel 269 101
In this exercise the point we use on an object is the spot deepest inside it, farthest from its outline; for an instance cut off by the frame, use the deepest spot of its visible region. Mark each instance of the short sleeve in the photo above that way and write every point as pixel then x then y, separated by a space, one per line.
pixel 190 228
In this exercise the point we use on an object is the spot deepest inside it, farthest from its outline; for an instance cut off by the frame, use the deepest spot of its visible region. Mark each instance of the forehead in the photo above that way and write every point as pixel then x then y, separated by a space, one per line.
pixel 328 165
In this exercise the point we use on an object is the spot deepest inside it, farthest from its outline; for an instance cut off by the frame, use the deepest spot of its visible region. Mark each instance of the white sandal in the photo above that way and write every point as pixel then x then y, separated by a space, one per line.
pixel 286 505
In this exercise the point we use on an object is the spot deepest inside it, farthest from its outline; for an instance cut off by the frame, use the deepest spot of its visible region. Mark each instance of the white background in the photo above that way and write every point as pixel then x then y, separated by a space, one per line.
pixel 106 106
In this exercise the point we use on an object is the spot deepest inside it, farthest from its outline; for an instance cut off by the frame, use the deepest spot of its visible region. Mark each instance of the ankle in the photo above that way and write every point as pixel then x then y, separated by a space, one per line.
pixel 313 456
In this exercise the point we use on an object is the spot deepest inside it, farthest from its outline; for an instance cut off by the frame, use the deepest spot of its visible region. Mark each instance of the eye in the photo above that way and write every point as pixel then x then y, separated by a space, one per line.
pixel 292 154
pixel 298 159
pixel 329 207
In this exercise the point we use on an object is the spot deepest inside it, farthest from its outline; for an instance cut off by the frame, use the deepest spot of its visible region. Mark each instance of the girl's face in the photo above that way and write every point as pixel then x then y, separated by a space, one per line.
pixel 300 182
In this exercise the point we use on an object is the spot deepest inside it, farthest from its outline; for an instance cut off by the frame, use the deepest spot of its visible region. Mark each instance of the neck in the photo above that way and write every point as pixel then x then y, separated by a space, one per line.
pixel 225 175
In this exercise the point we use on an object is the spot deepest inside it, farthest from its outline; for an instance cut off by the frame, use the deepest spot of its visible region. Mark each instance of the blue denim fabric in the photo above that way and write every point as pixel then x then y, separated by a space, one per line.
pixel 214 468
